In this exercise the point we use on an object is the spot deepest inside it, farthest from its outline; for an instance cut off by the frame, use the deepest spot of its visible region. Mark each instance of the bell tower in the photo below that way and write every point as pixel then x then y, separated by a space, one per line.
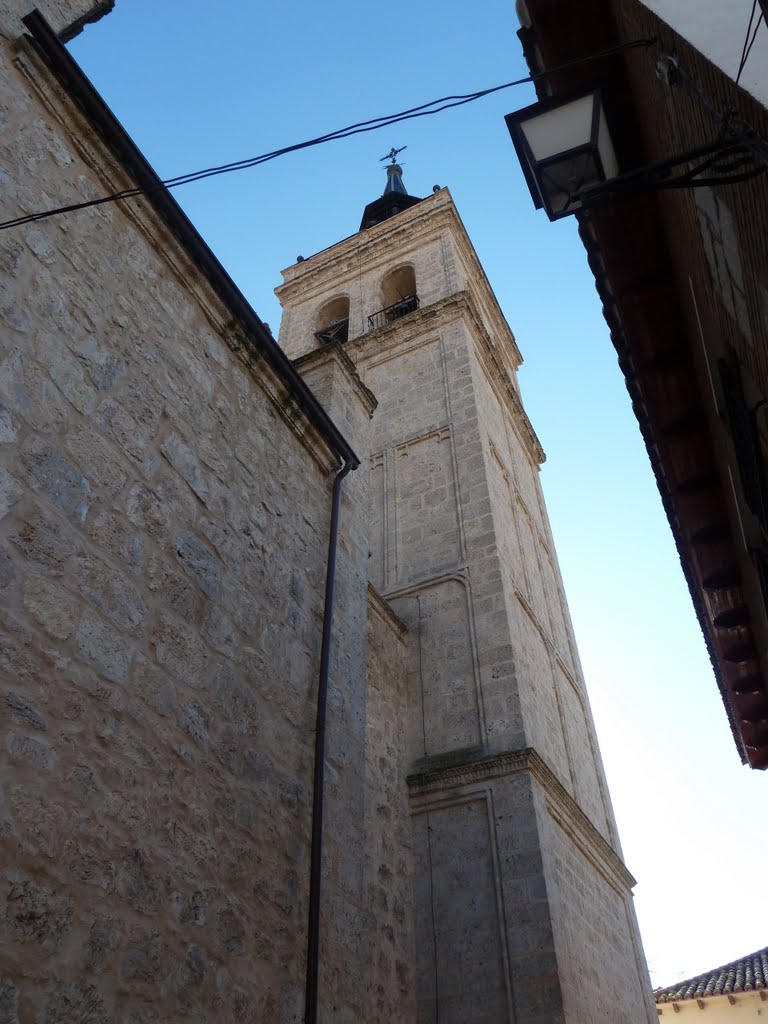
pixel 522 905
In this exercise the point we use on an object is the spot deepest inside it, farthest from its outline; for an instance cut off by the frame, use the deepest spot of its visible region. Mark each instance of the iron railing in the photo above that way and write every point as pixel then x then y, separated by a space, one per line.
pixel 337 330
pixel 400 308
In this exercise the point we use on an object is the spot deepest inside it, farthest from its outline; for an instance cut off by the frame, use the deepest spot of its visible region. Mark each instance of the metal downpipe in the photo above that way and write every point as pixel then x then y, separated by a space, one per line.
pixel 316 854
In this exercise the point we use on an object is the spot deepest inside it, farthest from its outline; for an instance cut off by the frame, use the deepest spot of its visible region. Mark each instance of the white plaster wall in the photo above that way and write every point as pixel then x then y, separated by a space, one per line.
pixel 718 30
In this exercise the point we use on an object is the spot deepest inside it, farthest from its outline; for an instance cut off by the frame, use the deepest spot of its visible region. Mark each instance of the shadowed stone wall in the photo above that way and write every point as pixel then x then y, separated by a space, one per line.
pixel 164 515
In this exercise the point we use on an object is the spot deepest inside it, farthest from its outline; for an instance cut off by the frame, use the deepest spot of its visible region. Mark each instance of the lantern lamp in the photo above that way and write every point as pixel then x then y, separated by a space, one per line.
pixel 565 150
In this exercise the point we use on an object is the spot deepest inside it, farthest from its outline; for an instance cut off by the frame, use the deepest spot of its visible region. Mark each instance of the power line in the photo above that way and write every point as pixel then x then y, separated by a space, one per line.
pixel 361 127
pixel 749 39
pixel 751 44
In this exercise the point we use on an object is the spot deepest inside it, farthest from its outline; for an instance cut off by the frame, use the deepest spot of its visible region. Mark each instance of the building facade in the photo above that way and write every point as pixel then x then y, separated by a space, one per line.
pixel 519 885
pixel 166 505
pixel 719 35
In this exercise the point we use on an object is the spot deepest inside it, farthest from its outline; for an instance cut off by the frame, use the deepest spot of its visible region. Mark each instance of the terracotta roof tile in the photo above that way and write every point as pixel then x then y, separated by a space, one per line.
pixel 745 975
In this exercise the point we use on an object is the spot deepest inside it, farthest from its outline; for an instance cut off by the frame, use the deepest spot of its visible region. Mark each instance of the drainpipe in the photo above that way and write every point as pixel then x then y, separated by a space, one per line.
pixel 316 855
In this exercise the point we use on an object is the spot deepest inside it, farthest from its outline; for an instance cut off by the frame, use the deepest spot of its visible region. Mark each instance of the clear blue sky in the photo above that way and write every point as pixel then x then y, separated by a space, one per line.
pixel 197 84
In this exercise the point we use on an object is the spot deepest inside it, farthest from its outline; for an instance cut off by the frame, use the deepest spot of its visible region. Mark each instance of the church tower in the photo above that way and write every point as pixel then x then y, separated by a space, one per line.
pixel 521 904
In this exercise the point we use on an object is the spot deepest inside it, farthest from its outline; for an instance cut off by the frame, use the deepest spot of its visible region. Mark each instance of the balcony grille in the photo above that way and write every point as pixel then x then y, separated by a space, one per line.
pixel 400 308
pixel 337 330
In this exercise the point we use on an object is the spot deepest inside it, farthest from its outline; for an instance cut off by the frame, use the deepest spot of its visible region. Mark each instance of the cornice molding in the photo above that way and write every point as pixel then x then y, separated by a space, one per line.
pixel 408 230
pixel 437 315
pixel 342 260
pixel 229 315
pixel 500 377
pixel 381 607
pixel 334 353
pixel 450 773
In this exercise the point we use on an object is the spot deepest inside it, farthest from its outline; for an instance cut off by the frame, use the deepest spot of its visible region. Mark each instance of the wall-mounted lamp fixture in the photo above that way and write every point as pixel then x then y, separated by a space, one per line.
pixel 565 148
pixel 567 156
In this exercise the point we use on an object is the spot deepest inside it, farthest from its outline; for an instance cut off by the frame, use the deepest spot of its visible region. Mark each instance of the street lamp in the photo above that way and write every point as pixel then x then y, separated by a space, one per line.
pixel 567 155
pixel 565 148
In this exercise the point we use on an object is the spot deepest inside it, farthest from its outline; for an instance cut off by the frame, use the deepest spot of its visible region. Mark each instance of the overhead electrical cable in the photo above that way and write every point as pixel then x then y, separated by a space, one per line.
pixel 749 48
pixel 749 39
pixel 743 58
pixel 361 127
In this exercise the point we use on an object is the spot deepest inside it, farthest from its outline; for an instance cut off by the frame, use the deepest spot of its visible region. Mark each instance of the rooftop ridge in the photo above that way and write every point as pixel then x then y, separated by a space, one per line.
pixel 746 974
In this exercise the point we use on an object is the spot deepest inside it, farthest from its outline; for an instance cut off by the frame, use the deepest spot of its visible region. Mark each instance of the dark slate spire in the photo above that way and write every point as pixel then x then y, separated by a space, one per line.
pixel 395 180
pixel 395 197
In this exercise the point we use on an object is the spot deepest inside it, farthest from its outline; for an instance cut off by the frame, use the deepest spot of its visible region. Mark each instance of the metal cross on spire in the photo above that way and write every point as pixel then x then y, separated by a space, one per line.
pixel 392 154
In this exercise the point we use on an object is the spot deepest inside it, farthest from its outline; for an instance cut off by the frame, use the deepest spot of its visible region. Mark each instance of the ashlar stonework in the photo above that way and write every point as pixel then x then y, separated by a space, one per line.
pixel 519 888
pixel 164 517
pixel 165 505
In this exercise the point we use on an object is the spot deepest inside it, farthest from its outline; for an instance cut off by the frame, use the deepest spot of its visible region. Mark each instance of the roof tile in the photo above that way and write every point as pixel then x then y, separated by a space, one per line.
pixel 745 975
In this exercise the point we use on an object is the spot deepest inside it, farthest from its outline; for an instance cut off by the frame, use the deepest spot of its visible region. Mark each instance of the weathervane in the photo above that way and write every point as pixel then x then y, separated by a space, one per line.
pixel 392 154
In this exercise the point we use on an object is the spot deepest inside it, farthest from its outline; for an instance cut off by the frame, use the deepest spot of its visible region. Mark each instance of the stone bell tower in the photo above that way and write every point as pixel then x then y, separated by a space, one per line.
pixel 522 905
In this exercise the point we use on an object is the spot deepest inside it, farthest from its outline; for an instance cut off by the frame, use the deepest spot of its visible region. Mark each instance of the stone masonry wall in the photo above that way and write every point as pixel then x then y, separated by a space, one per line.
pixel 356 981
pixel 603 973
pixel 358 275
pixel 388 861
pixel 60 14
pixel 552 690
pixel 163 539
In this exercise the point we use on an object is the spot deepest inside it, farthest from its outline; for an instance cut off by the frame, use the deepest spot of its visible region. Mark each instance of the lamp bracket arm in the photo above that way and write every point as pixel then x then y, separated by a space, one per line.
pixel 653 175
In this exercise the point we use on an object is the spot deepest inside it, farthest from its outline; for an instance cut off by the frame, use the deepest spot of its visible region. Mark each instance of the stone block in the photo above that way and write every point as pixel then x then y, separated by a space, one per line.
pixel 222 635
pixel 142 961
pixel 50 605
pixel 229 931
pixel 152 686
pixel 146 510
pixel 117 423
pixel 177 592
pixel 24 712
pixel 103 648
pixel 10 492
pixel 110 593
pixel 57 478
pixel 198 561
pixel 179 650
pixel 137 884
pixel 8 428
pixel 194 723
pixel 88 448
pixel 113 535
pixel 102 365
pixel 104 938
pixel 68 376
pixel 30 751
pixel 9 1002
pixel 36 914
pixel 184 460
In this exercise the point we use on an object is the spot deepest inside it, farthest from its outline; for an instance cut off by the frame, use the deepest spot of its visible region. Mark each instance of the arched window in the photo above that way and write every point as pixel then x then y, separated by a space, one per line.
pixel 398 285
pixel 398 296
pixel 333 320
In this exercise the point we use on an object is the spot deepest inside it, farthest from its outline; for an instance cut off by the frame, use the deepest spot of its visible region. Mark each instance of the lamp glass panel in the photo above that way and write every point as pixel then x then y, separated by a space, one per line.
pixel 562 179
pixel 562 128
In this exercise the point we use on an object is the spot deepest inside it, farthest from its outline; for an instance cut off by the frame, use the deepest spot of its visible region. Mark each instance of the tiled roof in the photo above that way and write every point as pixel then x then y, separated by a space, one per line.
pixel 745 975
